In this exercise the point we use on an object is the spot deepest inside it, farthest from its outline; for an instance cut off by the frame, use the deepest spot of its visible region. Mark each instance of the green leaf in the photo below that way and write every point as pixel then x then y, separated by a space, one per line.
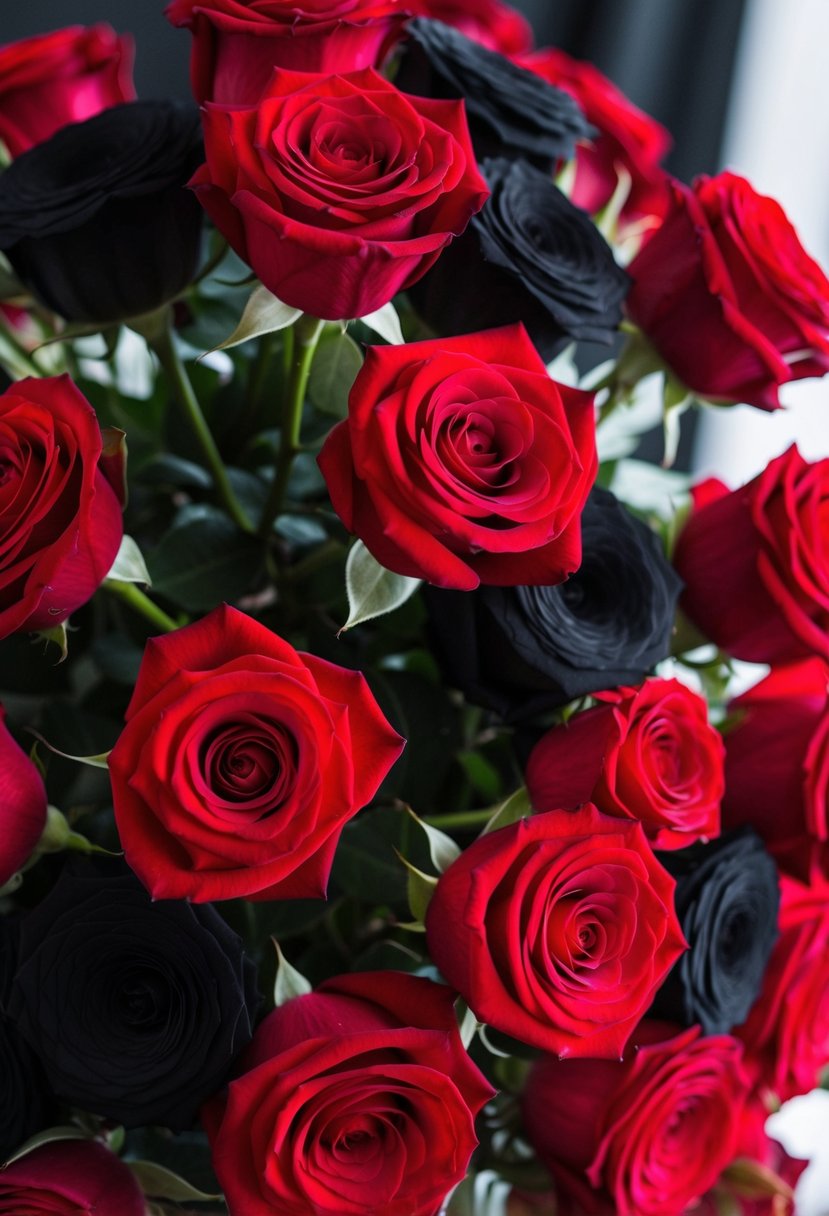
pixel 129 565
pixel 646 487
pixel 50 1136
pixel 676 400
pixel 99 761
pixel 289 982
pixel 336 363
pixel 161 1183
pixel 511 810
pixel 203 554
pixel 263 314
pixel 442 848
pixel 58 635
pixel 420 888
pixel 386 323
pixel 467 1022
pixel 372 589
pixel 166 469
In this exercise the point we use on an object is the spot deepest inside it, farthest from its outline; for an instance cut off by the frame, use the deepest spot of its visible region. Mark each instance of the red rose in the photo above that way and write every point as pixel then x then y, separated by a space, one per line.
pixel 356 1098
pixel 728 296
pixel 339 191
pixel 627 140
pixel 557 930
pixel 241 761
pixel 237 44
pixel 60 519
pixel 58 78
pixel 646 753
pixel 70 1178
pixel 22 804
pixel 495 25
pixel 462 462
pixel 643 1136
pixel 755 562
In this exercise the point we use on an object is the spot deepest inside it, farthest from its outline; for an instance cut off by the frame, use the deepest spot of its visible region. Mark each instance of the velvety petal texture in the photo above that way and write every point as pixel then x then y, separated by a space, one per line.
pixel 70 1178
pixel 22 805
pixel 493 24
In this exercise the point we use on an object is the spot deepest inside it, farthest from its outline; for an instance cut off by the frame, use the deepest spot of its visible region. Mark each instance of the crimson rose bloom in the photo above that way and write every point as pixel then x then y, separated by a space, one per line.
pixel 643 1136
pixel 60 518
pixel 339 191
pixel 755 562
pixel 241 761
pixel 728 296
pixel 557 930
pixel 497 26
pixel 461 462
pixel 646 753
pixel 58 78
pixel 356 1098
pixel 22 804
pixel 70 1178
pixel 238 43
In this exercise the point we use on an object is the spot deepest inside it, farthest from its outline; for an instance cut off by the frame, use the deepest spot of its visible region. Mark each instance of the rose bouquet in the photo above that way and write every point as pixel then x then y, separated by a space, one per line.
pixel 383 828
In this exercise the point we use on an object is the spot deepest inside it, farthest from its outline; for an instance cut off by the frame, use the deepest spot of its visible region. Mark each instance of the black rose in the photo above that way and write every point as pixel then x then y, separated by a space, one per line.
pixel 135 1009
pixel 727 899
pixel 97 221
pixel 27 1105
pixel 530 255
pixel 524 650
pixel 511 111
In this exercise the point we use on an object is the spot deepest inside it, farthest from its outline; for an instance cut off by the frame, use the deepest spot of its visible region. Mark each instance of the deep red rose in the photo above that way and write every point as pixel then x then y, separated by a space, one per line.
pixel 646 753
pixel 70 1178
pixel 496 25
pixel 461 462
pixel 356 1098
pixel 54 79
pixel 339 191
pixel 755 562
pixel 22 804
pixel 60 519
pixel 786 1035
pixel 728 296
pixel 643 1136
pixel 557 930
pixel 627 141
pixel 238 43
pixel 241 761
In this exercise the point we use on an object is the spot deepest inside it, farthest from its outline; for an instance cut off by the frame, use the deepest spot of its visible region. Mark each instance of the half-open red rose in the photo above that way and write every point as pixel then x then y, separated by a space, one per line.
pixel 339 191
pixel 60 518
pixel 22 804
pixel 461 462
pixel 728 296
pixel 496 25
pixel 70 1178
pixel 54 79
pixel 557 930
pixel 357 1098
pixel 241 761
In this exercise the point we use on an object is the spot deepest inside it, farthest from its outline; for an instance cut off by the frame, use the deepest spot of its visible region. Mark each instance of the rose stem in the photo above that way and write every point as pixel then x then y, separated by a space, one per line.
pixel 142 603
pixel 307 331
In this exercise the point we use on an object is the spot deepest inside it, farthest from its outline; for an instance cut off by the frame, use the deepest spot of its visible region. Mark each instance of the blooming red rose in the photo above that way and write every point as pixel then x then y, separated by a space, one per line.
pixel 462 463
pixel 646 753
pixel 241 761
pixel 627 140
pixel 339 191
pixel 70 1178
pixel 557 930
pixel 728 296
pixel 755 562
pixel 356 1098
pixel 22 804
pixel 496 25
pixel 60 519
pixel 643 1136
pixel 54 79
pixel 238 43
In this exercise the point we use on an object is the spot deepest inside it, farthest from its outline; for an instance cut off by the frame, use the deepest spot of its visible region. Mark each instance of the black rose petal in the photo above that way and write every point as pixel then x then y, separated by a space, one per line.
pixel 511 111
pixel 97 221
pixel 135 1009
pixel 524 650
pixel 530 255
pixel 727 900
pixel 27 1105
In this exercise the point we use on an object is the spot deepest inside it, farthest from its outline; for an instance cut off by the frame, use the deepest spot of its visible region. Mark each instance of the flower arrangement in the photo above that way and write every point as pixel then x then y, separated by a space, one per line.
pixel 382 823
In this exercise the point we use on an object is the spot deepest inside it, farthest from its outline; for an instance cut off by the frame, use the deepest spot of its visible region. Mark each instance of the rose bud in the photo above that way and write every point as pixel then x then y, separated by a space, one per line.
pixel 136 1009
pixel 557 930
pixel 646 753
pixel 356 1098
pixel 643 1136
pixel 236 47
pixel 22 805
pixel 530 256
pixel 523 650
pixel 495 25
pixel 511 111
pixel 755 562
pixel 65 76
pixel 727 900
pixel 241 761
pixel 60 518
pixel 461 462
pixel 96 221
pixel 727 295
pixel 71 1178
